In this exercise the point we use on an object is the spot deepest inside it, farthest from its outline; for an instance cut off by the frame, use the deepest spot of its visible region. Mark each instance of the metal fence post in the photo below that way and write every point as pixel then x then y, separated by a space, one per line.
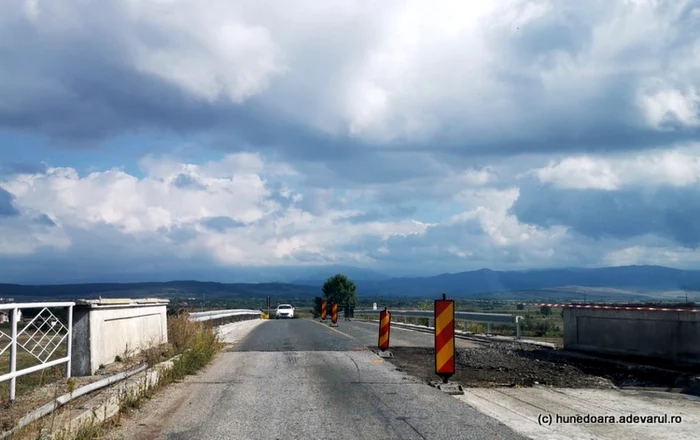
pixel 69 347
pixel 42 344
pixel 13 352
pixel 518 333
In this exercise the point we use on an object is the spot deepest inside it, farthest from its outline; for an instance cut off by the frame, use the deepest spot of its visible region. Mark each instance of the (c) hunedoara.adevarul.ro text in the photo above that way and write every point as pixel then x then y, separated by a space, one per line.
pixel 583 419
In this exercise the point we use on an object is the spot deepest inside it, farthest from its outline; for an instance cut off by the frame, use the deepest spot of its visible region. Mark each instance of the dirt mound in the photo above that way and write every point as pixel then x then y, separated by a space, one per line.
pixel 514 364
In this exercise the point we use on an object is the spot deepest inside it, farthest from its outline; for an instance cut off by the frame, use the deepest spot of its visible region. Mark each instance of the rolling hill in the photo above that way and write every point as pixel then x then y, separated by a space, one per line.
pixel 613 283
pixel 170 289
pixel 628 280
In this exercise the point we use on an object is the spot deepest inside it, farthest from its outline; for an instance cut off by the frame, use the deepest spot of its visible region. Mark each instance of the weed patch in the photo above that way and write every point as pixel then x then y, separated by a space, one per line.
pixel 197 344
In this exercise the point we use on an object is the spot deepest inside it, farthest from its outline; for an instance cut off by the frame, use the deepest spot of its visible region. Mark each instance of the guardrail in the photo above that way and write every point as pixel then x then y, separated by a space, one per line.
pixel 222 315
pixel 487 318
pixel 40 337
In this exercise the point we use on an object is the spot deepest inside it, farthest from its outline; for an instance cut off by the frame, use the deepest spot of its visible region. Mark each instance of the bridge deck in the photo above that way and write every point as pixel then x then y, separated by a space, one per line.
pixel 299 379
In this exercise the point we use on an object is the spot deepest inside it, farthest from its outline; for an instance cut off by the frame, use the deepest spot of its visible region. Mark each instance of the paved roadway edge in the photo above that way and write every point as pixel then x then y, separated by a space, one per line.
pixel 330 328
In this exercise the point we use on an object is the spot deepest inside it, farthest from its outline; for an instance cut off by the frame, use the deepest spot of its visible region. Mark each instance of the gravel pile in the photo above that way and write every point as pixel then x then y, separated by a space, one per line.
pixel 513 364
pixel 503 364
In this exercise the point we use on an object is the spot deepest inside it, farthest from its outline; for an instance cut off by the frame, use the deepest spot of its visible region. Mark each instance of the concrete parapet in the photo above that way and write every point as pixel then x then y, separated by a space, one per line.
pixel 106 328
pixel 673 337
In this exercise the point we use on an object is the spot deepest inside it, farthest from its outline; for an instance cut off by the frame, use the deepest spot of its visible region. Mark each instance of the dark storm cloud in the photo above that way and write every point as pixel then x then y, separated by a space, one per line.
pixel 665 211
pixel 84 85
pixel 118 258
pixel 100 102
pixel 7 207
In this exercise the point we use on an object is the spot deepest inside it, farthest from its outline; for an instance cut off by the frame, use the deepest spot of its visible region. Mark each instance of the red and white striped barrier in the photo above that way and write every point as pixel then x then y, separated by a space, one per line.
pixel 644 309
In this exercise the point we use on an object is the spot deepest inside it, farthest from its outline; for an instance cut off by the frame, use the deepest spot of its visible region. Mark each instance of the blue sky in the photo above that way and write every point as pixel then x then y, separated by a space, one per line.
pixel 238 141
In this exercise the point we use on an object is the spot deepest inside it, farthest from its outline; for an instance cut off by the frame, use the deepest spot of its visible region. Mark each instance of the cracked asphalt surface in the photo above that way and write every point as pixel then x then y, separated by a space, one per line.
pixel 299 379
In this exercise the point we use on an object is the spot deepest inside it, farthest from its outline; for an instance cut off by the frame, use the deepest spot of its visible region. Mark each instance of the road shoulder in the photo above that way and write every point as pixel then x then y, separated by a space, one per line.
pixel 155 413
pixel 521 409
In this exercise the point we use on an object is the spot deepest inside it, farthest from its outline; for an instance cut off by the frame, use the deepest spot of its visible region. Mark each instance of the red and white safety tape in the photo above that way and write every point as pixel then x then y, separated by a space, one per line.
pixel 594 306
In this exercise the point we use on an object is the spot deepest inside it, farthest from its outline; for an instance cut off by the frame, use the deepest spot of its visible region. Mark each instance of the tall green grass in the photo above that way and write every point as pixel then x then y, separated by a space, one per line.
pixel 196 343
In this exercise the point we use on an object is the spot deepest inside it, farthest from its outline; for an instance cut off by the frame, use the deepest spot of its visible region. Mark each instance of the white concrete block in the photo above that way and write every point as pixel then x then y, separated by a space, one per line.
pixel 106 329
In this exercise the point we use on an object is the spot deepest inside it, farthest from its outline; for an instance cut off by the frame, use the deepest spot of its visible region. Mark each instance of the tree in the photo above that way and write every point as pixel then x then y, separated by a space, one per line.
pixel 520 306
pixel 340 289
pixel 546 310
pixel 316 311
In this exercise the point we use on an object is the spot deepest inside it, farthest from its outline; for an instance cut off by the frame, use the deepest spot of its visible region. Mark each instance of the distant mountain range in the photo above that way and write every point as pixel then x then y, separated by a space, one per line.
pixel 320 275
pixel 613 283
pixel 616 281
pixel 169 289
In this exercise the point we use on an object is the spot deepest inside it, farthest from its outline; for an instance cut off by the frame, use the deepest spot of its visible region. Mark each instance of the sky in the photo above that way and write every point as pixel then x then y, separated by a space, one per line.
pixel 234 140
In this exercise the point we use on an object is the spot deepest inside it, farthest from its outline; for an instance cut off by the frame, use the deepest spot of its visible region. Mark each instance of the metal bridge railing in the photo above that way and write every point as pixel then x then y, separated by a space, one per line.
pixel 214 315
pixel 39 337
pixel 487 318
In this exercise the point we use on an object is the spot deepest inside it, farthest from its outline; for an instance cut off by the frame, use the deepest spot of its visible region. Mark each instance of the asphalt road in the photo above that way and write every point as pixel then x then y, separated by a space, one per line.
pixel 299 379
pixel 296 335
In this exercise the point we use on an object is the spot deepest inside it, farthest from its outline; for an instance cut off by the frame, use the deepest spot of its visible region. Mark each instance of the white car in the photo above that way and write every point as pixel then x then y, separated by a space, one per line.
pixel 284 311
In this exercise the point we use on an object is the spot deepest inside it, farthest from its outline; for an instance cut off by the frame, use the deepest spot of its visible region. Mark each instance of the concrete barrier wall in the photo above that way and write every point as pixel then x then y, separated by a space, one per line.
pixel 660 335
pixel 105 329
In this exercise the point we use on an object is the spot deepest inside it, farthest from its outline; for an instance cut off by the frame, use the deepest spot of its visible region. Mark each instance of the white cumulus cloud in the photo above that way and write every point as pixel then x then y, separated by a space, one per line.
pixel 676 167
